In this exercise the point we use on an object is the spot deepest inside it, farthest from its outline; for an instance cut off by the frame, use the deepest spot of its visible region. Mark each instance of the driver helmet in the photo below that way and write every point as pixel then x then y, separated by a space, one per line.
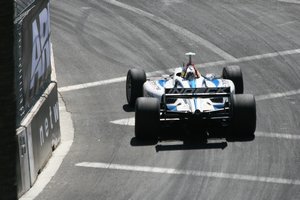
pixel 190 73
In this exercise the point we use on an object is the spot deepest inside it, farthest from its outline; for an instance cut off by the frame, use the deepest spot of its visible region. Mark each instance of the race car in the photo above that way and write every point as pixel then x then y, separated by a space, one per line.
pixel 209 102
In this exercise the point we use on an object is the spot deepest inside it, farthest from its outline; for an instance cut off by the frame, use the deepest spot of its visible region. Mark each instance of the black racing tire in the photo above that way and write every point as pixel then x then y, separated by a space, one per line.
pixel 234 73
pixel 147 118
pixel 243 121
pixel 134 85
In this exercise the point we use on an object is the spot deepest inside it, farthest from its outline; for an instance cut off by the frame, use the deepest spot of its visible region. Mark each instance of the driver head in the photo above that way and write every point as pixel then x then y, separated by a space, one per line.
pixel 190 73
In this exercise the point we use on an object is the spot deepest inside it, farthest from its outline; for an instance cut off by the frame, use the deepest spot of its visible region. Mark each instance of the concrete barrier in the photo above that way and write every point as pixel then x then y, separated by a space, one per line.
pixel 38 135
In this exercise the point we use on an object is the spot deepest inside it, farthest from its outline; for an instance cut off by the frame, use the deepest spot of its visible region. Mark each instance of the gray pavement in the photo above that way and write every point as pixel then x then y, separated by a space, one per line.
pixel 101 40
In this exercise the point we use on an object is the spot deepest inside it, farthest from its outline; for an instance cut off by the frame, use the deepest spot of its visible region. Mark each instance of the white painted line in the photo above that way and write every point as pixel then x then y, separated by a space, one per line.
pixel 287 23
pixel 91 84
pixel 159 72
pixel 173 171
pixel 251 58
pixel 290 1
pixel 268 55
pixel 277 95
pixel 131 122
pixel 176 29
pixel 278 135
pixel 125 122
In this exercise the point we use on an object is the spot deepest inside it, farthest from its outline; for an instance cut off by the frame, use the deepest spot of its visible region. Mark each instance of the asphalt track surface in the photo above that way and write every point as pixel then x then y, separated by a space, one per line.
pixel 100 40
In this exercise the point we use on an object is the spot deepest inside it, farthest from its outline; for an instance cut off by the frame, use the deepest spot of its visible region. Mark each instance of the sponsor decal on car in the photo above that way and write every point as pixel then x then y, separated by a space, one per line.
pixel 197 90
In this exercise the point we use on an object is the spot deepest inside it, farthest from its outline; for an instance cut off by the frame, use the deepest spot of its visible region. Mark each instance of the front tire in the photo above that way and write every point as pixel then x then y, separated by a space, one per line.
pixel 243 123
pixel 234 73
pixel 134 85
pixel 147 118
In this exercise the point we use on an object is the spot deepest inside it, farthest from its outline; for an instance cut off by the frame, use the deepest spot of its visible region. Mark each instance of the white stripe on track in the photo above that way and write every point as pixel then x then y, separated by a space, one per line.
pixel 269 55
pixel 277 95
pixel 175 28
pixel 91 84
pixel 277 135
pixel 290 1
pixel 209 64
pixel 131 122
pixel 173 171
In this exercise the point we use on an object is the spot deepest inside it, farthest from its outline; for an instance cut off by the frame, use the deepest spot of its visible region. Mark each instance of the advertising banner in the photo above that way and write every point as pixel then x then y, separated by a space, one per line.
pixel 33 53
pixel 43 131
pixel 36 52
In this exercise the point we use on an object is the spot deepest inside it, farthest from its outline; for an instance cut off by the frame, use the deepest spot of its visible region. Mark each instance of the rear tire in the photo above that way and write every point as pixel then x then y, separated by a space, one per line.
pixel 234 73
pixel 243 123
pixel 147 118
pixel 134 85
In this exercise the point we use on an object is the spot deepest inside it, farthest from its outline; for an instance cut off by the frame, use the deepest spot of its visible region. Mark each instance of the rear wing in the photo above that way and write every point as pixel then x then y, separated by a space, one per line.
pixel 204 92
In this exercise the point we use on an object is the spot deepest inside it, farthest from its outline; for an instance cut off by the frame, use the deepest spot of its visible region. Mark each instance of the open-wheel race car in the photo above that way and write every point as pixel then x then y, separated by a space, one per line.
pixel 212 103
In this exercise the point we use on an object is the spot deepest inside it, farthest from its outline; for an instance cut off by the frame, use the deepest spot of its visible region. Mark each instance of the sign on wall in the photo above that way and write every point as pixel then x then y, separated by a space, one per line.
pixel 36 52
pixel 43 132
pixel 33 53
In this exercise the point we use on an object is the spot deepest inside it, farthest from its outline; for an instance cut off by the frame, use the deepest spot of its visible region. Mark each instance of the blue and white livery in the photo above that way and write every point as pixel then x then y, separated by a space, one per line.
pixel 208 101
pixel 156 88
